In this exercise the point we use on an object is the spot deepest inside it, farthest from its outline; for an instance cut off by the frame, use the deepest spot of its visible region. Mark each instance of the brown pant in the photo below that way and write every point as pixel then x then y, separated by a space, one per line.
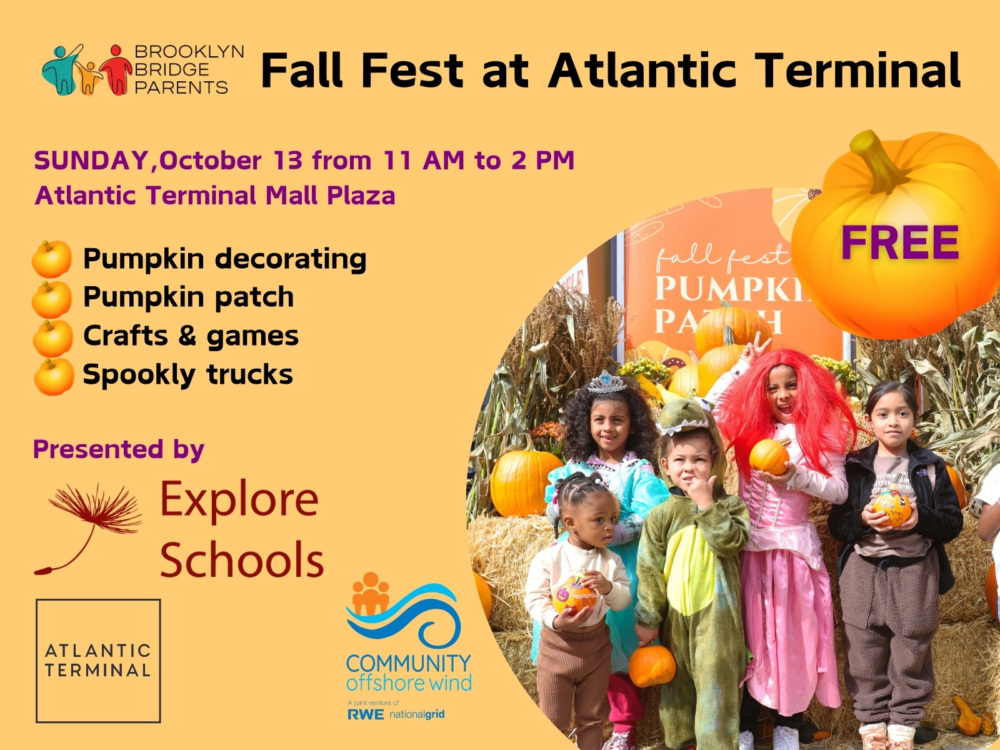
pixel 577 663
pixel 890 617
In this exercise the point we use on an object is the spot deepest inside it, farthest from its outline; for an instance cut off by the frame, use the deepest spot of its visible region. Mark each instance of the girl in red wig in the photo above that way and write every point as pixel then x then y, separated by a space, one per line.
pixel 787 605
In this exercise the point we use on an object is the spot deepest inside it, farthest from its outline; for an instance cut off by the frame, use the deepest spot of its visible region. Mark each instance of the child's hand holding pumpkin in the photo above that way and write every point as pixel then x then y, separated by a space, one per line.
pixel 593 579
pixel 572 620
pixel 779 479
pixel 646 635
pixel 876 519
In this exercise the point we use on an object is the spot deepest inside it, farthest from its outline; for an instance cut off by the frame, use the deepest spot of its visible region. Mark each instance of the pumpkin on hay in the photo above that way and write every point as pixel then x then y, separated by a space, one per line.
pixel 770 456
pixel 933 185
pixel 958 482
pixel 517 486
pixel 485 595
pixel 897 507
pixel 745 325
pixel 651 665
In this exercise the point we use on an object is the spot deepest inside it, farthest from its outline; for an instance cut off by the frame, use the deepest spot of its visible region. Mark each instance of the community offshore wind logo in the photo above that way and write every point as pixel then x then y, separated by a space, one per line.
pixel 371 616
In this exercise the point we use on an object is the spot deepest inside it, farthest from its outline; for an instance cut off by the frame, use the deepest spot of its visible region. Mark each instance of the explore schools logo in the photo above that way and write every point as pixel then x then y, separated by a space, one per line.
pixel 370 615
pixel 184 69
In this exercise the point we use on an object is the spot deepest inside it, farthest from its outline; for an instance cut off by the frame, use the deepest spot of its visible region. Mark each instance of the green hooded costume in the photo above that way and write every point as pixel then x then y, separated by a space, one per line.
pixel 689 588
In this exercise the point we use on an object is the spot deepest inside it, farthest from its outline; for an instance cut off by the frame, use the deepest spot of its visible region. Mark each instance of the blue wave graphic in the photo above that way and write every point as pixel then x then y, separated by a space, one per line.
pixel 400 615
pixel 429 588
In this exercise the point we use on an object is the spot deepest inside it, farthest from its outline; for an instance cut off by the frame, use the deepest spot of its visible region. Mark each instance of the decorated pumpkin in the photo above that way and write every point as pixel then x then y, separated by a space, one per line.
pixel 918 215
pixel 651 665
pixel 991 590
pixel 485 595
pixel 573 594
pixel 745 324
pixel 770 456
pixel 896 506
pixel 686 382
pixel 517 486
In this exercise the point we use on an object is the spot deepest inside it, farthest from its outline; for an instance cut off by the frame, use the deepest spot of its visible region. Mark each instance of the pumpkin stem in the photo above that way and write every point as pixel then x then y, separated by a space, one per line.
pixel 49 326
pixel 728 339
pixel 885 175
pixel 46 286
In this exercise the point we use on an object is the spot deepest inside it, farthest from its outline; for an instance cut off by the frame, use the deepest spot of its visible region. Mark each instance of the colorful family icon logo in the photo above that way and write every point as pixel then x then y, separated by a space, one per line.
pixel 60 72
pixel 382 621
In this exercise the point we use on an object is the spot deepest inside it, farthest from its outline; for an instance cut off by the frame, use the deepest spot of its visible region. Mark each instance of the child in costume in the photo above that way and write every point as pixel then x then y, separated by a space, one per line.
pixel 890 577
pixel 787 601
pixel 574 654
pixel 989 519
pixel 689 582
pixel 610 432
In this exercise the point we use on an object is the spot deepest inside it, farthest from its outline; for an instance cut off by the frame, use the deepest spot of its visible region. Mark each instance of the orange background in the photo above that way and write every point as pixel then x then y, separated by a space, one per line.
pixel 392 365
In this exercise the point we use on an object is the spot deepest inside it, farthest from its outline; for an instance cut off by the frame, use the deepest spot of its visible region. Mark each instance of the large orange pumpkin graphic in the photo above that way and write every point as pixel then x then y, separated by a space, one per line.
pixel 914 219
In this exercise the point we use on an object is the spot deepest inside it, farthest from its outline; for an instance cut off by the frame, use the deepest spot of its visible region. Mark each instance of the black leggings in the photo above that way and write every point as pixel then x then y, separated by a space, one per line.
pixel 750 715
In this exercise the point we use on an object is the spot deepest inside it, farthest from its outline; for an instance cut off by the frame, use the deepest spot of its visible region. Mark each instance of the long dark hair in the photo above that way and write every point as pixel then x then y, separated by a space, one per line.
pixel 579 445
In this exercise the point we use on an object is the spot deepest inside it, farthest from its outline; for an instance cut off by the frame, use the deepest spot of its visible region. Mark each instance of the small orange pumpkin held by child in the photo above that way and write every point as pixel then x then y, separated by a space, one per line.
pixel 573 594
pixel 485 595
pixel 651 665
pixel 897 507
pixel 770 456
pixel 919 215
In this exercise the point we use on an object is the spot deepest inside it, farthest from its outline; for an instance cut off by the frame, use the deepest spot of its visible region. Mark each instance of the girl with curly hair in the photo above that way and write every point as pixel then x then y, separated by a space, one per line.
pixel 787 603
pixel 610 432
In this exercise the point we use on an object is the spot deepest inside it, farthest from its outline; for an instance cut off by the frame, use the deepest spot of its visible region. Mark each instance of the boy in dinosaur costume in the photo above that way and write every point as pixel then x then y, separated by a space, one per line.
pixel 689 582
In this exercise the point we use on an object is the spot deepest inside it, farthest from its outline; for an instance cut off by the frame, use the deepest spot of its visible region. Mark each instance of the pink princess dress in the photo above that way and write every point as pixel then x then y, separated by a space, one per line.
pixel 787 605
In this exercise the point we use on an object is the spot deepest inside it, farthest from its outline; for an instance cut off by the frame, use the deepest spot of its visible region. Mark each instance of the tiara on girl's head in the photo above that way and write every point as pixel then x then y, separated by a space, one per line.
pixel 606 383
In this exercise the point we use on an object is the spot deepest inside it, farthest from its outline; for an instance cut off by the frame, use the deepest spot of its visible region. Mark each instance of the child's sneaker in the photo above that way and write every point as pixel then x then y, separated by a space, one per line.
pixel 786 738
pixel 900 737
pixel 746 740
pixel 874 737
pixel 621 741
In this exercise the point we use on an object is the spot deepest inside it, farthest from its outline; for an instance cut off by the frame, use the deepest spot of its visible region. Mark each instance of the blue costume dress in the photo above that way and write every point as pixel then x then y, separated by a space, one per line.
pixel 638 491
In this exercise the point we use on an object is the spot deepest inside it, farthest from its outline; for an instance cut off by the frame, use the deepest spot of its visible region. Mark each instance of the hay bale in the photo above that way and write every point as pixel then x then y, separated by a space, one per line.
pixel 516 649
pixel 970 559
pixel 992 649
pixel 502 550
pixel 965 665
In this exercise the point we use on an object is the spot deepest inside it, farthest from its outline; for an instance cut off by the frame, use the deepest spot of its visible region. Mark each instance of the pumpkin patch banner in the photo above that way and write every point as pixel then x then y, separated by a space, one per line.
pixel 732 249
pixel 260 264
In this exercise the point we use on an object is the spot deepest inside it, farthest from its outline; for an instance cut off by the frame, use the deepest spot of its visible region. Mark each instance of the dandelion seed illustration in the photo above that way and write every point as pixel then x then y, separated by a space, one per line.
pixel 115 515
